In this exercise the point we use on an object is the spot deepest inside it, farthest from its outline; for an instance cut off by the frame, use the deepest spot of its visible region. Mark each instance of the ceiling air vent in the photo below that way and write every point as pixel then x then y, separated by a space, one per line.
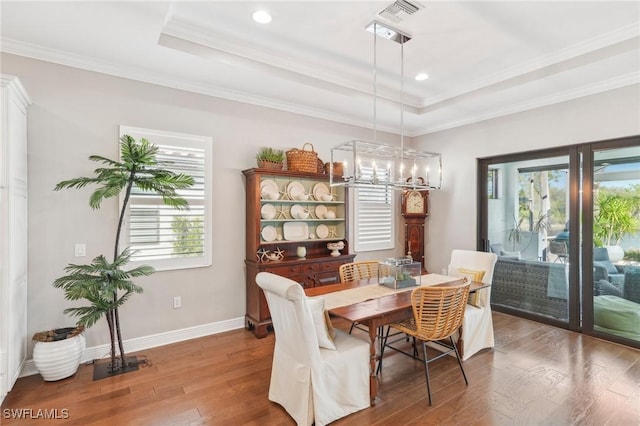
pixel 400 10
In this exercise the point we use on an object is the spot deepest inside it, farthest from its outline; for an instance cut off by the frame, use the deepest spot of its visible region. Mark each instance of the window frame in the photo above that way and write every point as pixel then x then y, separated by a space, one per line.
pixel 359 205
pixel 182 140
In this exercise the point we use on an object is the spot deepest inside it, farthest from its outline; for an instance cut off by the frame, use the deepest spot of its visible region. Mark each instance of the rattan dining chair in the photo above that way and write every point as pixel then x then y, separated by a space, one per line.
pixel 437 315
pixel 358 271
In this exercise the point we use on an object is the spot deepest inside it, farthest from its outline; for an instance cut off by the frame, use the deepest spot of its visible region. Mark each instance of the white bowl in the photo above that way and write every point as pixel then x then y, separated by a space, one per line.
pixel 330 215
pixel 326 197
pixel 303 215
pixel 273 195
pixel 267 215
pixel 302 197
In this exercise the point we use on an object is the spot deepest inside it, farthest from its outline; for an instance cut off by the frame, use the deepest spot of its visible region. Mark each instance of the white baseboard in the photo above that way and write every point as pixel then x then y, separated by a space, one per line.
pixel 151 341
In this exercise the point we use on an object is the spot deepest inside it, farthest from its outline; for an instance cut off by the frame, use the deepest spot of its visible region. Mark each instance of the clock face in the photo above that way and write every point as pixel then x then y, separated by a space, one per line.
pixel 415 203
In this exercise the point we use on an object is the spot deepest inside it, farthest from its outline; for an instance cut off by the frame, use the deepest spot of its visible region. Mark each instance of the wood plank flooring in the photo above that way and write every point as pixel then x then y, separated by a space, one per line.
pixel 536 375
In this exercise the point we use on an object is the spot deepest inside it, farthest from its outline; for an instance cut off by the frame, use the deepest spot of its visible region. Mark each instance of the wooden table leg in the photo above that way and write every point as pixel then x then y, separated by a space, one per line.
pixel 373 379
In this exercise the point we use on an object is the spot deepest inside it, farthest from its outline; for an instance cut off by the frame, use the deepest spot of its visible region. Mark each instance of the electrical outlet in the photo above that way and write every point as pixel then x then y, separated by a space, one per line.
pixel 177 302
pixel 81 250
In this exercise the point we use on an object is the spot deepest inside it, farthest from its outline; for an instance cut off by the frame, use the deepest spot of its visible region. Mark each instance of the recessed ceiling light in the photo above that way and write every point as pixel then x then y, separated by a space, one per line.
pixel 422 76
pixel 261 17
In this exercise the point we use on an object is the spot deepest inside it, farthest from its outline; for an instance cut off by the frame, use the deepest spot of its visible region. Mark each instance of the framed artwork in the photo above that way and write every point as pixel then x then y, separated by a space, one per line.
pixel 492 184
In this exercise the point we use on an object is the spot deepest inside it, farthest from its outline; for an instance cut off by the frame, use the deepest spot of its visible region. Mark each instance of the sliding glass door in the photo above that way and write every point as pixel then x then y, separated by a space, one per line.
pixel 528 226
pixel 613 309
pixel 565 224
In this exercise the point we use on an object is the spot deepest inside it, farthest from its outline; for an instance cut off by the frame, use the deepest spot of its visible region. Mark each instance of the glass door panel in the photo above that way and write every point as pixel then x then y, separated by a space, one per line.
pixel 528 228
pixel 616 243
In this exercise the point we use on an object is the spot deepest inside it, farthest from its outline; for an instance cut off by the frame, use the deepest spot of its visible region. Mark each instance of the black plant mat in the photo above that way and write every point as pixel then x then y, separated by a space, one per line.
pixel 103 370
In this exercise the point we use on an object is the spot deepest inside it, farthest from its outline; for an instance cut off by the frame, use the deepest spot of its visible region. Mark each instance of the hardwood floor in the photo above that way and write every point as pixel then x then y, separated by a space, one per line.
pixel 536 374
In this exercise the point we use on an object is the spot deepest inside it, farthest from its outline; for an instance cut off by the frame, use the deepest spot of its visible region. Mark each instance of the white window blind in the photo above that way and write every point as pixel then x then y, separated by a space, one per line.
pixel 160 235
pixel 374 216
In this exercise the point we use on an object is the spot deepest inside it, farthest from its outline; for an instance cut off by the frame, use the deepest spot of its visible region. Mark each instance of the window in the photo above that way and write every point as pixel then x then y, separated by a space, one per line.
pixel 374 216
pixel 159 235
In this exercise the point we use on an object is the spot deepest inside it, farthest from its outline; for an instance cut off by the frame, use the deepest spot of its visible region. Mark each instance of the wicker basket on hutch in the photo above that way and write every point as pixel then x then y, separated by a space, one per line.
pixel 301 160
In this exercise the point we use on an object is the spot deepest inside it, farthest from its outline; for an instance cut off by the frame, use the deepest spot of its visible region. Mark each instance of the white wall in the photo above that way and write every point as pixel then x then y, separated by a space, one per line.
pixel 75 114
pixel 452 221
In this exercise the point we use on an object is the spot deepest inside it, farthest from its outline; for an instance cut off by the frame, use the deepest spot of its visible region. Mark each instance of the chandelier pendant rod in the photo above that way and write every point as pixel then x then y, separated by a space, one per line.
pixel 402 104
pixel 375 82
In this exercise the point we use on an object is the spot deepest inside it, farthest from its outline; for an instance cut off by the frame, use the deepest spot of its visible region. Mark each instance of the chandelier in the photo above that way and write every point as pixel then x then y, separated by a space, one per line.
pixel 366 163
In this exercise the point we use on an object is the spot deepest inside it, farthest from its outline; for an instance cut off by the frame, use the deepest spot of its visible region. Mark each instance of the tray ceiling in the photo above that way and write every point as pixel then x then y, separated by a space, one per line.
pixel 484 59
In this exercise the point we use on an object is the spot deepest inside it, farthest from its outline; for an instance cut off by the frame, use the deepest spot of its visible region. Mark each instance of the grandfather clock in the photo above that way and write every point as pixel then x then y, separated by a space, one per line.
pixel 415 210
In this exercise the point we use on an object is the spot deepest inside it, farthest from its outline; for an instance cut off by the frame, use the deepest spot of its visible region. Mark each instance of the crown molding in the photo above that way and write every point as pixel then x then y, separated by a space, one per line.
pixel 588 46
pixel 14 84
pixel 568 95
pixel 76 61
pixel 278 64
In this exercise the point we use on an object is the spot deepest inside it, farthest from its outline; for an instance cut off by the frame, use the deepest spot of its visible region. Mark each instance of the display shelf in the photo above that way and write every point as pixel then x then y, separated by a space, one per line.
pixel 310 240
pixel 318 267
pixel 302 220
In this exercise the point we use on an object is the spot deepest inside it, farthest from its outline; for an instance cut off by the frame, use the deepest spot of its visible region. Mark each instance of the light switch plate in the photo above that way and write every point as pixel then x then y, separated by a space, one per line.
pixel 81 250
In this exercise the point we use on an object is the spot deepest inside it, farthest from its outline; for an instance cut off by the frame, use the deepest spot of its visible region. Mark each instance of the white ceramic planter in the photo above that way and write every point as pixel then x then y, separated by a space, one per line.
pixel 59 360
pixel 616 253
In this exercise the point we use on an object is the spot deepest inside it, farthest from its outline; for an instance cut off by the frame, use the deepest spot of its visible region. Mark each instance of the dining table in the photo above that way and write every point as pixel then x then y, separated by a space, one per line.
pixel 368 303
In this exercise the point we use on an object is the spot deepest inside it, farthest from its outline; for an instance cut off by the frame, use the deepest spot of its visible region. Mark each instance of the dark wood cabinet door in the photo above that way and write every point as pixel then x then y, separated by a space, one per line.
pixel 414 239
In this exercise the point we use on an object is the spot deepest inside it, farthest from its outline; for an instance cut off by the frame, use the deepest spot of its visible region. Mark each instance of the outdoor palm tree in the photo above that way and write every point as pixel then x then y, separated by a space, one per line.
pixel 107 286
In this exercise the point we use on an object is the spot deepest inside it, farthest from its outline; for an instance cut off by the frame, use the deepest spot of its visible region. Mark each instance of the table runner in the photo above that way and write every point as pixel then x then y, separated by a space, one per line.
pixel 374 291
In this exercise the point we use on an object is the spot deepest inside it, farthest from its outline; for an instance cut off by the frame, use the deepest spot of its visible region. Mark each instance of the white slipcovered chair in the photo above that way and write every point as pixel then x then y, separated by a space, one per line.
pixel 312 383
pixel 477 325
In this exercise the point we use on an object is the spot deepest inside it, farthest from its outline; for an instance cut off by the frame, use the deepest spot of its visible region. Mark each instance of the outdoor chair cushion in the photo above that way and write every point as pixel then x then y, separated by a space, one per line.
pixel 616 315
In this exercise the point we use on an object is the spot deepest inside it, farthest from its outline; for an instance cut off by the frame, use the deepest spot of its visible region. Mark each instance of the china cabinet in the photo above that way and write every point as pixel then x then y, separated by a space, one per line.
pixel 291 217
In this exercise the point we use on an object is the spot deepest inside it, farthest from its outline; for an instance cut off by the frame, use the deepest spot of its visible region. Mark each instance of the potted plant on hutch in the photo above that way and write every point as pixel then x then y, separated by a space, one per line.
pixel 270 158
pixel 103 283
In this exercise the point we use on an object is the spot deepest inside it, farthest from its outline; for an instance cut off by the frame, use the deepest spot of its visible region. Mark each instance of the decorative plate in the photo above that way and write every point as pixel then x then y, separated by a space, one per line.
pixel 322 231
pixel 269 233
pixel 269 187
pixel 296 191
pixel 295 231
pixel 320 189
pixel 297 212
pixel 268 211
pixel 321 210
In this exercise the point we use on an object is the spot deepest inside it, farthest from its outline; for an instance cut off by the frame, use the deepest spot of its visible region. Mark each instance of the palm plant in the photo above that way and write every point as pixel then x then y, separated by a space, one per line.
pixel 614 218
pixel 107 286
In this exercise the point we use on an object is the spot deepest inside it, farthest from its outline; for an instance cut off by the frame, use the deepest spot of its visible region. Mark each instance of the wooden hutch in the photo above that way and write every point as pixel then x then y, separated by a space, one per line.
pixel 290 213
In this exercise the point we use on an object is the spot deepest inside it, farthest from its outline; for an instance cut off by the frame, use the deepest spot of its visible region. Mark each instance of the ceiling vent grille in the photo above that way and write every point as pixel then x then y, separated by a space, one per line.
pixel 400 10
